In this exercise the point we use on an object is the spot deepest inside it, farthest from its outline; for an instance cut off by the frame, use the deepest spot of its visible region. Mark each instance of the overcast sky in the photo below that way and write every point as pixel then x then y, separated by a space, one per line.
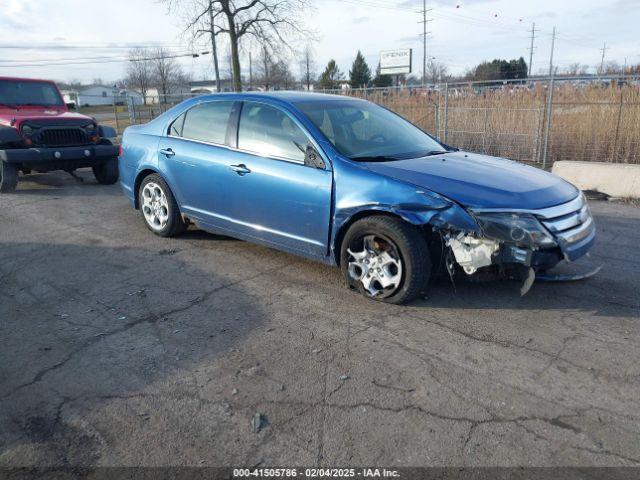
pixel 463 33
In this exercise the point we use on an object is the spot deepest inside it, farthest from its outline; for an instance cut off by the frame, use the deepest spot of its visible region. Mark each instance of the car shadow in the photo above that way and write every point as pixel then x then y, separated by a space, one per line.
pixel 87 327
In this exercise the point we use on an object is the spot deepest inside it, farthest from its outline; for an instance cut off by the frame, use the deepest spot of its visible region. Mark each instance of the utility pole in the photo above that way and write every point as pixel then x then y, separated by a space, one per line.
pixel 549 114
pixel 214 47
pixel 533 37
pixel 604 52
pixel 424 22
pixel 250 71
pixel 553 46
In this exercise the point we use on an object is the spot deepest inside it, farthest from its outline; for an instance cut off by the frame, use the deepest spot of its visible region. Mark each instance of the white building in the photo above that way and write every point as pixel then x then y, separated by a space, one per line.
pixel 95 95
pixel 176 93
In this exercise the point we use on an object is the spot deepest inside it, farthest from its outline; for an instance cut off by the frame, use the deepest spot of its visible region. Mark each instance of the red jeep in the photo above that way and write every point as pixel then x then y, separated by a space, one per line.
pixel 37 132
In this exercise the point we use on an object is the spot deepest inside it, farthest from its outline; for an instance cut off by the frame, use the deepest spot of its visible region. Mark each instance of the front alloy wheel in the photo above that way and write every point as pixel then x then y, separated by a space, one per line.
pixel 375 263
pixel 386 259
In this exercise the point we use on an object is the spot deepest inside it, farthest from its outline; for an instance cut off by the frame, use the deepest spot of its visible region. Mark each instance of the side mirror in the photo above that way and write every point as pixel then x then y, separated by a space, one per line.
pixel 313 159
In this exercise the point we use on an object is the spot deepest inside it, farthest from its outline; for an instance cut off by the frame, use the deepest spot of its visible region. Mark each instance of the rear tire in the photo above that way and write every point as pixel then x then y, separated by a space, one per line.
pixel 402 252
pixel 8 177
pixel 107 173
pixel 159 208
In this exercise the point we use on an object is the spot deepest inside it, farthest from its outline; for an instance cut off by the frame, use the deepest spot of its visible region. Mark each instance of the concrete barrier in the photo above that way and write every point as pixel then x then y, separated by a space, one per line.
pixel 614 179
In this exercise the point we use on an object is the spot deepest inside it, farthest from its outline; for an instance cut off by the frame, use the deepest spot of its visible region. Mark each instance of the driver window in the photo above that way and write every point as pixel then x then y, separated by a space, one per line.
pixel 269 132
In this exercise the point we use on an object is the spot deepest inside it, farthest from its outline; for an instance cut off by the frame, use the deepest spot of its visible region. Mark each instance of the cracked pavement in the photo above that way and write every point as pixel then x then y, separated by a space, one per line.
pixel 119 348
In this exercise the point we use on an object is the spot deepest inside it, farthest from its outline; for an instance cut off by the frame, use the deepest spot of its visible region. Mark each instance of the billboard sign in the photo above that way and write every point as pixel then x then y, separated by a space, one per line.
pixel 396 62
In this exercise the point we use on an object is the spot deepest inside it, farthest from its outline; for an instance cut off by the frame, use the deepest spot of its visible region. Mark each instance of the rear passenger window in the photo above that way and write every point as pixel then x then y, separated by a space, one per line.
pixel 206 123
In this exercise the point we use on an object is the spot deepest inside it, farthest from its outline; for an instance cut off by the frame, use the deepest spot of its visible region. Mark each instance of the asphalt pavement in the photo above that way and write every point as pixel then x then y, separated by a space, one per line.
pixel 121 348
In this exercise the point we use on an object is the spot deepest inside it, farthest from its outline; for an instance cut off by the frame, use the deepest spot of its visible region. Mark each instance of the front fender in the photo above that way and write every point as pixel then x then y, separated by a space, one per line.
pixel 359 191
pixel 9 135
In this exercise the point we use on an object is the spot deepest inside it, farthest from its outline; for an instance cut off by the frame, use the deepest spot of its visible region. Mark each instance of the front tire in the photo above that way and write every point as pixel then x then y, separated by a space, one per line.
pixel 386 259
pixel 107 173
pixel 8 177
pixel 159 208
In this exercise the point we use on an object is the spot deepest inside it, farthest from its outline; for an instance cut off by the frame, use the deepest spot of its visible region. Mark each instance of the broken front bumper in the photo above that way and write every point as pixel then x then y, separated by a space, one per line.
pixel 568 230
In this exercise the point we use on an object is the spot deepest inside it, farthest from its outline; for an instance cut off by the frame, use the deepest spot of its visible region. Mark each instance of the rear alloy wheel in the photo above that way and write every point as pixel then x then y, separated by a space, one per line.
pixel 8 177
pixel 107 173
pixel 386 259
pixel 159 208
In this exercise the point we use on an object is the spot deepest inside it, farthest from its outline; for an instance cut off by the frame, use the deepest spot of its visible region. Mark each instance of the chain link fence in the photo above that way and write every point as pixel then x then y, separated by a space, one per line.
pixel 533 121
pixel 124 110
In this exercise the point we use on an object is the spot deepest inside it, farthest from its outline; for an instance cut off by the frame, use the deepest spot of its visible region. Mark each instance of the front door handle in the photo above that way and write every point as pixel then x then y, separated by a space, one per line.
pixel 241 169
pixel 168 153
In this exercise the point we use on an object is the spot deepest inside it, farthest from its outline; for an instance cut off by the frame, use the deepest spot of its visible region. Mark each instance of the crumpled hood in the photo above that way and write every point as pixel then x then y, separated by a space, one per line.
pixel 480 181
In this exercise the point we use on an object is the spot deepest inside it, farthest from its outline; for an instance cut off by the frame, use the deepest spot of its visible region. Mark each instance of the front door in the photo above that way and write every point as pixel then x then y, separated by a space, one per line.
pixel 279 200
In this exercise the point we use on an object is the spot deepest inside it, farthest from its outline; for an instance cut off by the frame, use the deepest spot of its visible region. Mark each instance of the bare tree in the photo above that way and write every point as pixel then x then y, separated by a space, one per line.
pixel 308 66
pixel 266 21
pixel 436 71
pixel 281 76
pixel 265 64
pixel 167 72
pixel 573 69
pixel 201 24
pixel 140 71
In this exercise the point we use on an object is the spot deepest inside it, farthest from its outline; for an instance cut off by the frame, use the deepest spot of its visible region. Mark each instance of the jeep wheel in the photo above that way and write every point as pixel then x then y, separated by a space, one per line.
pixel 386 259
pixel 159 208
pixel 8 177
pixel 107 172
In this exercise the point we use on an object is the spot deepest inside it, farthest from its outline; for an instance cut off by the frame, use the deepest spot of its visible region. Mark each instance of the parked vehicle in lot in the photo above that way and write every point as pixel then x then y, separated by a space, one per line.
pixel 38 133
pixel 349 183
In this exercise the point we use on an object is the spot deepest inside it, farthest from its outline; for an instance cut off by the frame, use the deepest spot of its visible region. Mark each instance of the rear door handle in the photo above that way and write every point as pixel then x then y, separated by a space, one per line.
pixel 168 153
pixel 241 169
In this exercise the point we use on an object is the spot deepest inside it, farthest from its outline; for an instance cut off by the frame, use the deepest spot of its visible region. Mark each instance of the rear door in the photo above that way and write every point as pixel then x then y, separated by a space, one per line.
pixel 195 159
pixel 278 199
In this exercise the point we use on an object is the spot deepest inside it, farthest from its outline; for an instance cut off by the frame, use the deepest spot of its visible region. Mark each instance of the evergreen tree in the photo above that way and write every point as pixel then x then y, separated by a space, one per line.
pixel 501 69
pixel 331 76
pixel 360 74
pixel 382 80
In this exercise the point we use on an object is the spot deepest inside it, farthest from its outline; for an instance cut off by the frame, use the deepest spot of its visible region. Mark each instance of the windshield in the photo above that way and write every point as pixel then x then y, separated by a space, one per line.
pixel 20 93
pixel 367 132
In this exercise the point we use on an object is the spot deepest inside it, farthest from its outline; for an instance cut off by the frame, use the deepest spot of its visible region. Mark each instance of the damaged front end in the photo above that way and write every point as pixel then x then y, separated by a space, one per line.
pixel 523 244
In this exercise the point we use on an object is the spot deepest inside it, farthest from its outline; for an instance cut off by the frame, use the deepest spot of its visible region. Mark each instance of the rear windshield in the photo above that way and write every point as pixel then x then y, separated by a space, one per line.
pixel 21 93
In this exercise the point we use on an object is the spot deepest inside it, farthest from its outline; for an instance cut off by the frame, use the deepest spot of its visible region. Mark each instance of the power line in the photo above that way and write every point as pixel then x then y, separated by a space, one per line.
pixel 107 60
pixel 5 46
pixel 73 59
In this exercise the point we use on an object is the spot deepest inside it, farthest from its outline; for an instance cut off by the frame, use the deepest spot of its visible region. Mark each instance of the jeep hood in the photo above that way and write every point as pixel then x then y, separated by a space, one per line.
pixel 10 116
pixel 480 181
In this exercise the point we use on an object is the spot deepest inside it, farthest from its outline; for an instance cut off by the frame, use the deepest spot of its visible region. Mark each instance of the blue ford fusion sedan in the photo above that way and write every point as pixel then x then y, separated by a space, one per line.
pixel 351 184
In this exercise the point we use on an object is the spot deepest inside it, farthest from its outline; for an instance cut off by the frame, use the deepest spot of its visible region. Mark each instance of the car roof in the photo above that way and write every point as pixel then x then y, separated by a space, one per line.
pixel 286 96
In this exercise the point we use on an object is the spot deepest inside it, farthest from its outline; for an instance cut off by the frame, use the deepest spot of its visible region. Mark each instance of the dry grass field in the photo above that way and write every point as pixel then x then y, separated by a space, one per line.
pixel 589 123
pixel 595 122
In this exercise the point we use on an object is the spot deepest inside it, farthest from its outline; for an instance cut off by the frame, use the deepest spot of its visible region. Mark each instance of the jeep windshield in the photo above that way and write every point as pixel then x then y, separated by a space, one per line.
pixel 366 132
pixel 21 93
